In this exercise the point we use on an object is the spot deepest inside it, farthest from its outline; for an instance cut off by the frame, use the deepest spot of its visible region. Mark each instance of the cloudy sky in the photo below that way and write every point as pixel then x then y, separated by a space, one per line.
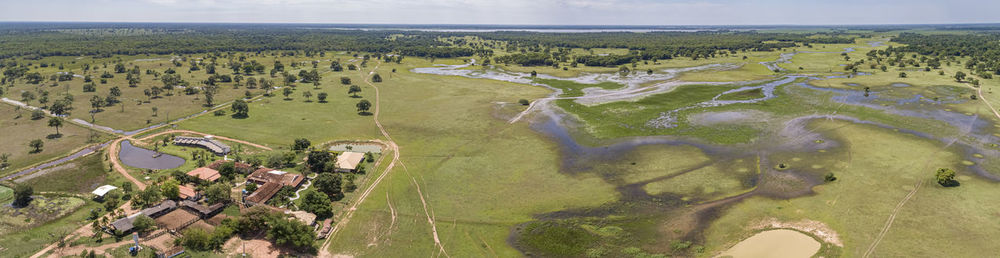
pixel 544 12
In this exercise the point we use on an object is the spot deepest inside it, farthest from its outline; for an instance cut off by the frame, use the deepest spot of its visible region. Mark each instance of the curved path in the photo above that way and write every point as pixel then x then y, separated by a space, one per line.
pixel 303 188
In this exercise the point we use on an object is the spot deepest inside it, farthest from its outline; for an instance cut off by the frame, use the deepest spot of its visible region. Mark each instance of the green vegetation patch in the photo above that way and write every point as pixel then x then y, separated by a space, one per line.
pixel 627 118
pixel 708 183
pixel 575 89
pixel 79 176
pixel 6 194
pixel 744 95
pixel 557 238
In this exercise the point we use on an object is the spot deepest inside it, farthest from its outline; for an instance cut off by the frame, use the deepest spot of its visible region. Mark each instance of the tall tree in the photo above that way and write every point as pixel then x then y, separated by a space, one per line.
pixel 55 122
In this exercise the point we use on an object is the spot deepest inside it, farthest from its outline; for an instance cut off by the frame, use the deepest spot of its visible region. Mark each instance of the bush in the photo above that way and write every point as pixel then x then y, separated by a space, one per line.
pixel 946 177
pixel 219 112
pixel 523 102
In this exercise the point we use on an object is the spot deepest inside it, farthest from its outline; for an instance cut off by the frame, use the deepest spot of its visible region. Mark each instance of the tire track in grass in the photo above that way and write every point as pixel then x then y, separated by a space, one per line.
pixel 919 184
pixel 395 160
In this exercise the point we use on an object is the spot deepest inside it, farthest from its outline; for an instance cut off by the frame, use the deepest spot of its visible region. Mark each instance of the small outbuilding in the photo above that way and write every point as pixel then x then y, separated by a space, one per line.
pixel 103 190
pixel 206 142
pixel 348 161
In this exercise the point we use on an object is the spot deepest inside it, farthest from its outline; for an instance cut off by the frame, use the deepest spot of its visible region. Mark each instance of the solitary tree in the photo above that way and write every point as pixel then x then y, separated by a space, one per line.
pixel 287 91
pixel 345 80
pixel 210 94
pixel 307 95
pixel 376 78
pixel 959 76
pixel 321 97
pixel 55 122
pixel 240 109
pixel 354 90
pixel 946 177
pixel 363 106
pixel 36 145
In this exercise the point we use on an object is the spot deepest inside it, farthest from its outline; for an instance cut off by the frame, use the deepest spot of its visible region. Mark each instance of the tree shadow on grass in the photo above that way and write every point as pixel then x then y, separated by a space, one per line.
pixel 53 136
pixel 356 96
pixel 950 183
pixel 239 116
pixel 365 113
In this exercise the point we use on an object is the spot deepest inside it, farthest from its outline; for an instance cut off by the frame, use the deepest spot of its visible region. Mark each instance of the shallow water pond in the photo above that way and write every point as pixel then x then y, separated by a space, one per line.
pixel 147 159
pixel 775 243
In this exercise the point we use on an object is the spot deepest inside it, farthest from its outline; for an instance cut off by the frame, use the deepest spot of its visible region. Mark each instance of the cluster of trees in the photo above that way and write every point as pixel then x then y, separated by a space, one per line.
pixel 281 230
pixel 609 60
pixel 981 49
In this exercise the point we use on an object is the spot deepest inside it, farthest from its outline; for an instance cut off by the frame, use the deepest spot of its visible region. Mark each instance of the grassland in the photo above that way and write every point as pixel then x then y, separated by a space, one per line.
pixel 623 119
pixel 79 177
pixel 19 243
pixel 490 188
pixel 480 156
pixel 19 131
pixel 857 212
pixel 276 121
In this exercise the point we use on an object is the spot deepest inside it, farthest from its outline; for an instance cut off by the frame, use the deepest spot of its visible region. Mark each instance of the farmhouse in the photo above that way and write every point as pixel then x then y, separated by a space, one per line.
pixel 205 174
pixel 270 181
pixel 266 175
pixel 263 193
pixel 348 161
pixel 206 142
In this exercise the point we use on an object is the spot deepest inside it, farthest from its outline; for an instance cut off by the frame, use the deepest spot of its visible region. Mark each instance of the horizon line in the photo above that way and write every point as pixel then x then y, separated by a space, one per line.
pixel 507 25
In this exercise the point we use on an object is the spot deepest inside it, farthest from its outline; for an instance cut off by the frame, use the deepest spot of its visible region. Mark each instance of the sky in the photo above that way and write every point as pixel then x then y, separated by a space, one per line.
pixel 514 12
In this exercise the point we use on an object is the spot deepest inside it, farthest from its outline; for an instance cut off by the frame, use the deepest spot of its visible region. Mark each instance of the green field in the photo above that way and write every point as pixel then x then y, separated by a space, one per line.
pixel 668 167
pixel 19 130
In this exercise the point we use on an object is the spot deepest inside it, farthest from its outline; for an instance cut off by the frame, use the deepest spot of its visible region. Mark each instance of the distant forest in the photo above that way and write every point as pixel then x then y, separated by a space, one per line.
pixel 36 40
pixel 105 39
pixel 982 49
